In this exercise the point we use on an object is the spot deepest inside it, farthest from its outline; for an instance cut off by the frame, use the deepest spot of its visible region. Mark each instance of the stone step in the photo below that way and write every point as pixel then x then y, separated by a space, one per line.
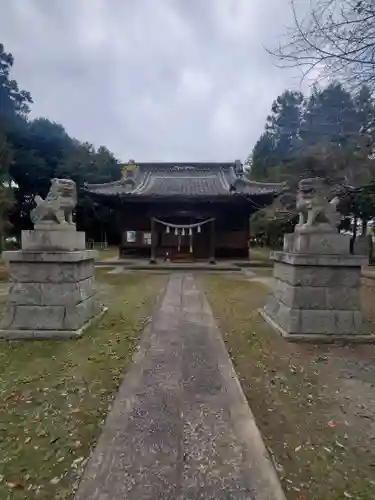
pixel 172 266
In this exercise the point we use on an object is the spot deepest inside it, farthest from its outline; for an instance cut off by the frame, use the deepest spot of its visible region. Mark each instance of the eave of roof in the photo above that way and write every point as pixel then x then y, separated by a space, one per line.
pixel 185 180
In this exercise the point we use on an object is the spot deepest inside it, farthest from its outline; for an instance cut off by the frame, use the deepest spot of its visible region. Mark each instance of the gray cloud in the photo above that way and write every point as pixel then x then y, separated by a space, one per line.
pixel 154 80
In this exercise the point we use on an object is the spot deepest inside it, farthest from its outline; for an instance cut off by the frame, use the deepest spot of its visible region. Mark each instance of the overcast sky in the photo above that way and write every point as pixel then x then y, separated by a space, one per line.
pixel 153 80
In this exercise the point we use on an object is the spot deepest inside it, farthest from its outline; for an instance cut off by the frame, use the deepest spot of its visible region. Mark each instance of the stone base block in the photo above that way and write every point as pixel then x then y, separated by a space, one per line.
pixel 319 260
pixel 315 325
pixel 317 288
pixel 314 276
pixel 50 293
pixel 317 243
pixel 317 337
pixel 314 321
pixel 317 297
pixel 56 257
pixel 35 334
pixel 362 245
pixel 76 315
pixel 65 316
pixel 53 239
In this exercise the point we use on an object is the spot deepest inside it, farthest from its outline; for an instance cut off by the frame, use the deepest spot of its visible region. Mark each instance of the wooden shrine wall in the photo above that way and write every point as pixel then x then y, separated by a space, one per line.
pixel 231 233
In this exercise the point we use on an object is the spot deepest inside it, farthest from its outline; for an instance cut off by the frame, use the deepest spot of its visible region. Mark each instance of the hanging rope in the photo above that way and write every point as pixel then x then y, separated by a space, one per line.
pixel 184 226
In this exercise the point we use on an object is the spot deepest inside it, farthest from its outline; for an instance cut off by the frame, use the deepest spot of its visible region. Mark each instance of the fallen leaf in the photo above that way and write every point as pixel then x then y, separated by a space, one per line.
pixel 16 486
pixel 340 445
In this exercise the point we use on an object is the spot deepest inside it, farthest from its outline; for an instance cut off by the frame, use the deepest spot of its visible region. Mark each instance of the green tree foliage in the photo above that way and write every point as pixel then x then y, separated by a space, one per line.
pixel 327 132
pixel 262 157
pixel 13 101
pixel 365 107
pixel 284 123
pixel 39 148
pixel 269 227
pixel 280 138
pixel 85 164
pixel 329 116
pixel 32 152
pixel 6 191
pixel 330 134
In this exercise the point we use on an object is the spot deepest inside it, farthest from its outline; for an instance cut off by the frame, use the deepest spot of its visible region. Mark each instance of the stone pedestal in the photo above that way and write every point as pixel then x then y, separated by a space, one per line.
pixel 52 291
pixel 317 289
pixel 61 240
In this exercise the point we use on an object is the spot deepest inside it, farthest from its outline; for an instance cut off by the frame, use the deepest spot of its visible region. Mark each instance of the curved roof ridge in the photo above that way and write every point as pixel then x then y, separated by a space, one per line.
pixel 173 180
pixel 119 182
pixel 145 184
pixel 233 177
pixel 186 163
pixel 205 176
pixel 264 183
pixel 224 180
pixel 181 166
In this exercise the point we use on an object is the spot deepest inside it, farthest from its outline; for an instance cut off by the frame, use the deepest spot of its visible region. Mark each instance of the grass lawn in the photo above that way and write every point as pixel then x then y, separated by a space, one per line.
pixel 314 405
pixel 55 394
pixel 261 254
pixel 3 274
pixel 107 253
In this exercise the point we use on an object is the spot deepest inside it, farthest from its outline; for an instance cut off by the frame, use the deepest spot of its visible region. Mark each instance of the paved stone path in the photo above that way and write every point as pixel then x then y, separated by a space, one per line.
pixel 180 427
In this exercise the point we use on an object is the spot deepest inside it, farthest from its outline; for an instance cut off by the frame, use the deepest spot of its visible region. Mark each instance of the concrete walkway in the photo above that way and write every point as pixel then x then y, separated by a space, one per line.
pixel 180 427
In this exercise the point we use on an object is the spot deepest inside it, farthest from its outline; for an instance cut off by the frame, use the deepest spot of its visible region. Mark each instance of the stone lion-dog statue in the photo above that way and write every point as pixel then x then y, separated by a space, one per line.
pixel 57 208
pixel 317 212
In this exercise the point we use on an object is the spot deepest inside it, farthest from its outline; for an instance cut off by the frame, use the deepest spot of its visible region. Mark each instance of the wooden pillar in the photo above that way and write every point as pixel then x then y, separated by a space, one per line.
pixel 212 243
pixel 153 241
pixel 120 228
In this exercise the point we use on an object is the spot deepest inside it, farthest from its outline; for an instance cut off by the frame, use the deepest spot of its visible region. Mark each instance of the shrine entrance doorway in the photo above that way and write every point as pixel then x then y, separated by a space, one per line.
pixel 180 240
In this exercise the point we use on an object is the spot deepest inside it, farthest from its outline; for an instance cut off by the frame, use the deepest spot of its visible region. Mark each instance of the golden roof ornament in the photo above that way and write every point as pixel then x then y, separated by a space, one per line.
pixel 129 169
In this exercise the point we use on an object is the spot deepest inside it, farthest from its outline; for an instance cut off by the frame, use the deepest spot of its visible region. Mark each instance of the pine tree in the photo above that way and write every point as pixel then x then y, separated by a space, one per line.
pixel 329 116
pixel 284 123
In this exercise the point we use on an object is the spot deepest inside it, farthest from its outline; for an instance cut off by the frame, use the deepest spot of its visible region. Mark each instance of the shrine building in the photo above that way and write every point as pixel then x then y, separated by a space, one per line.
pixel 184 211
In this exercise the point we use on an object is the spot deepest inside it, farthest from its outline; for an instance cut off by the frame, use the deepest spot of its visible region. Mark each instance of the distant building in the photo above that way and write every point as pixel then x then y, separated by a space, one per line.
pixel 184 211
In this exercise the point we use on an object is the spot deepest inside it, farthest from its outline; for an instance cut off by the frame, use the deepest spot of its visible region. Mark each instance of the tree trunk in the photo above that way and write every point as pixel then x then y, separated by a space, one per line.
pixel 364 227
pixel 370 250
pixel 354 235
pixel 2 234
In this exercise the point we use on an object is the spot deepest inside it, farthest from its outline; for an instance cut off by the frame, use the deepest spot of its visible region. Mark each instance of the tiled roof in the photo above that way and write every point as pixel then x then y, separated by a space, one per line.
pixel 185 180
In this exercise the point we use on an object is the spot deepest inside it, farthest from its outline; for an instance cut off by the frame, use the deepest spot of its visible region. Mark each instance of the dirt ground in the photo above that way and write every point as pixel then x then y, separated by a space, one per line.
pixel 315 405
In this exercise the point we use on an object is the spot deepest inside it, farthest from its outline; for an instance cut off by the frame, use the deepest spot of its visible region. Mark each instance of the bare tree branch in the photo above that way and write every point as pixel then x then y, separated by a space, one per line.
pixel 336 35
